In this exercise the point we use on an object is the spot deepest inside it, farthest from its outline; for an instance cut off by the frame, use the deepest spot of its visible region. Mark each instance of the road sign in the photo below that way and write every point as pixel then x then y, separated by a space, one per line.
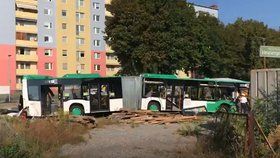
pixel 270 51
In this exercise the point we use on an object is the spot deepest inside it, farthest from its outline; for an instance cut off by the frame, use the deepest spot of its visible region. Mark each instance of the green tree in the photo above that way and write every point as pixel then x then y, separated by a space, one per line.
pixel 152 36
pixel 210 45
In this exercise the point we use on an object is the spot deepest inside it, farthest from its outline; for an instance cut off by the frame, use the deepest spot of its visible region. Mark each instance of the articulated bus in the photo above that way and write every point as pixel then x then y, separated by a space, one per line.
pixel 81 94
pixel 169 93
pixel 77 94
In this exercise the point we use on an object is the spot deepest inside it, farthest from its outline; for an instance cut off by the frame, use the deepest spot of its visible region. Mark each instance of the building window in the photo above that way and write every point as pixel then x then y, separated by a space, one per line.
pixel 79 16
pixel 96 43
pixel 48 39
pixel 80 3
pixel 23 66
pixel 110 69
pixel 96 55
pixel 64 26
pixel 96 17
pixel 82 66
pixel 64 39
pixel 48 25
pixel 48 52
pixel 96 67
pixel 96 30
pixel 48 66
pixel 64 53
pixel 96 5
pixel 80 41
pixel 111 57
pixel 80 28
pixel 47 11
pixel 23 51
pixel 64 13
pixel 64 66
pixel 81 54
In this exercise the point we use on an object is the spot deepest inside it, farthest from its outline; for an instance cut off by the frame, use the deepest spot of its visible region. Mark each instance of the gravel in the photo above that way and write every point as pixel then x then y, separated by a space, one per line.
pixel 127 141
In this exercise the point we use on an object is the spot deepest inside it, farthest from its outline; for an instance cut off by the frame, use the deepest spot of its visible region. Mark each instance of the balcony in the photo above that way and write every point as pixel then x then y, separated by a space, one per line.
pixel 25 43
pixel 18 86
pixel 21 72
pixel 32 58
pixel 26 15
pixel 27 29
pixel 112 62
pixel 27 2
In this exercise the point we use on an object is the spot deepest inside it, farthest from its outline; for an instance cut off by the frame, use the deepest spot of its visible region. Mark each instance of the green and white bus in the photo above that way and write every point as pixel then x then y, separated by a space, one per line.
pixel 77 94
pixel 169 93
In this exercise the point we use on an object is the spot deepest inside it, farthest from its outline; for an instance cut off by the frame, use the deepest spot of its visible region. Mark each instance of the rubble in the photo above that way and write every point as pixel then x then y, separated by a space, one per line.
pixel 150 117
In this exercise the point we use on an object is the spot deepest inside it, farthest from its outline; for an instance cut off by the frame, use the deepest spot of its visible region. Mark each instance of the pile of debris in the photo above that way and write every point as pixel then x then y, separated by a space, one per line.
pixel 87 121
pixel 150 117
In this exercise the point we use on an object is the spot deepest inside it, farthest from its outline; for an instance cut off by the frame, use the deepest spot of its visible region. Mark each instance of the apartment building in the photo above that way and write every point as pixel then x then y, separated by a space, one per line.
pixel 51 37
pixel 112 64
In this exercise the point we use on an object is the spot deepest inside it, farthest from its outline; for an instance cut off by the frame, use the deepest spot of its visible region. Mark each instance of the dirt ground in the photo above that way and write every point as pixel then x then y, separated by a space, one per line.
pixel 9 106
pixel 130 141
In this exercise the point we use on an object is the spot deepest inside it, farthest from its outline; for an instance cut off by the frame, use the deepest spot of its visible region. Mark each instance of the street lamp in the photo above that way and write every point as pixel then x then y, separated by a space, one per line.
pixel 9 75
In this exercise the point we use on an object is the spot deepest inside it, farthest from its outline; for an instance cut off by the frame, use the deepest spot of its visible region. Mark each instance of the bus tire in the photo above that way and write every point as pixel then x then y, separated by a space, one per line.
pixel 76 110
pixel 224 108
pixel 154 106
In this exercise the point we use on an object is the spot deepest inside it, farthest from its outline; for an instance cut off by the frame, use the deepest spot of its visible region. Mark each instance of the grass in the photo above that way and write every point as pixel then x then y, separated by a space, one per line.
pixel 37 138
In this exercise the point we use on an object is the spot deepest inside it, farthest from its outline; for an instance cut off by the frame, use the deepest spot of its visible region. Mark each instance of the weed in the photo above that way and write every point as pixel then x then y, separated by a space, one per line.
pixel 37 138
pixel 188 129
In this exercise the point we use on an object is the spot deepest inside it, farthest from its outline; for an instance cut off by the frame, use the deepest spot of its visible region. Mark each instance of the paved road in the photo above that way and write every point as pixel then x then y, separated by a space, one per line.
pixel 123 141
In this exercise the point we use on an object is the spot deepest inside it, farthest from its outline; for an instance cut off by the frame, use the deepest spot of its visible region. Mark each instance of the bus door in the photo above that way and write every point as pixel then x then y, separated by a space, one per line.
pixel 99 97
pixel 50 99
pixel 174 98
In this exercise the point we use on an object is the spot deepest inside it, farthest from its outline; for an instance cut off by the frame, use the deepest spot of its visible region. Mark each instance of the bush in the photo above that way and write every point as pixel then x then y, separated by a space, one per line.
pixel 189 129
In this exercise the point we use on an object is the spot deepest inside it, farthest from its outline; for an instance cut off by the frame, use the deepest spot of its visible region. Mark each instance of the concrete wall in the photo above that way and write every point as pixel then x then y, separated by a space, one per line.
pixel 42 18
pixel 263 83
pixel 100 24
pixel 8 22
pixel 7 43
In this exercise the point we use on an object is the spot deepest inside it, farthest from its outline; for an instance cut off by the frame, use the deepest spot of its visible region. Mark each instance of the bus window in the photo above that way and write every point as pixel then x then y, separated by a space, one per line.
pixel 152 90
pixel 192 92
pixel 115 90
pixel 33 93
pixel 207 93
pixel 72 92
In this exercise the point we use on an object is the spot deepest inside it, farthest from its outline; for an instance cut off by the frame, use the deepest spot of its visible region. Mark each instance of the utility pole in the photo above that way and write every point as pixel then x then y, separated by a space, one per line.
pixel 264 58
pixel 9 75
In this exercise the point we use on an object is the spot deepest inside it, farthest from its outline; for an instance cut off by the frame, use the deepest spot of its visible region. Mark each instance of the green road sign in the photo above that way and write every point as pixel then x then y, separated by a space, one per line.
pixel 270 51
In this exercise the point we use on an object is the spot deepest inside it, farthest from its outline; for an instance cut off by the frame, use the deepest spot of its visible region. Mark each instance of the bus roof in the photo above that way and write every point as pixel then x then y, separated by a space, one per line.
pixel 159 76
pixel 81 76
pixel 230 80
pixel 170 76
pixel 36 77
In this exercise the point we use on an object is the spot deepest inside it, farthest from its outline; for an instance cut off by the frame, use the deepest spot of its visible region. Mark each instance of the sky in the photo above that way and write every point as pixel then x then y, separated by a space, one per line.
pixel 267 11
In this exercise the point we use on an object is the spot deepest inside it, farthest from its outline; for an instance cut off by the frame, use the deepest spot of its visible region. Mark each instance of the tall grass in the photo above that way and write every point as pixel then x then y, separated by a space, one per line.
pixel 37 138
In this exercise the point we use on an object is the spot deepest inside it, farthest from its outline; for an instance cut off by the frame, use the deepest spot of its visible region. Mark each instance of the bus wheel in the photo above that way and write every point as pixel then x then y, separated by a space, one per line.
pixel 153 106
pixel 76 110
pixel 224 108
